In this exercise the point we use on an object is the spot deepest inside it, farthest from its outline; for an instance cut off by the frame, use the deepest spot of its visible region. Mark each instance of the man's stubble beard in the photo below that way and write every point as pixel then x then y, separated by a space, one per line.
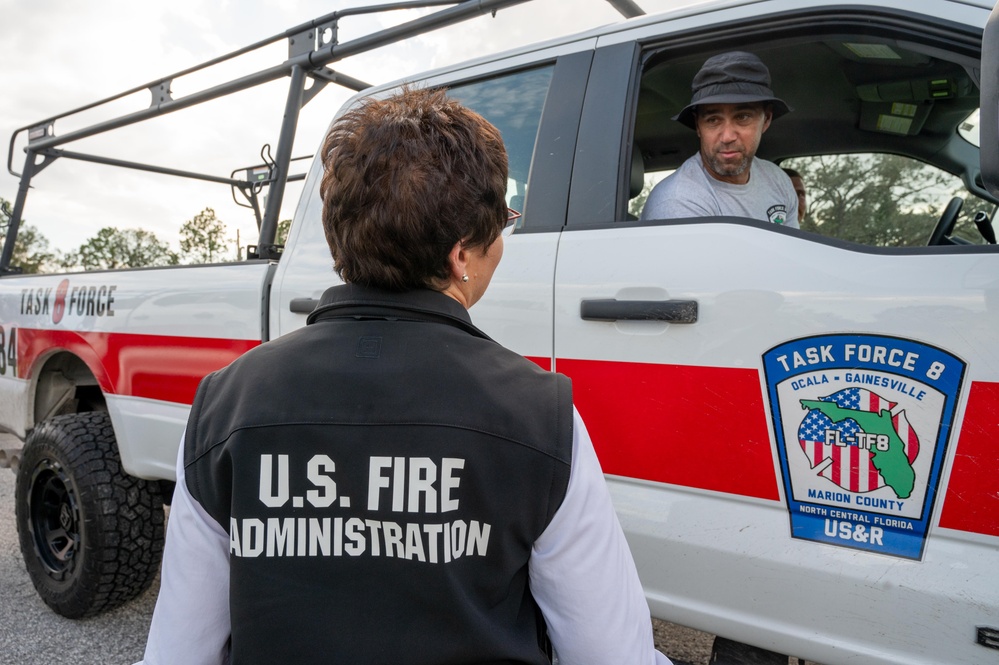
pixel 718 167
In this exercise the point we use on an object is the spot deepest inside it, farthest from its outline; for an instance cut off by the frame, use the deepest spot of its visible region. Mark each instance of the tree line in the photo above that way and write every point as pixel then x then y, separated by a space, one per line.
pixel 878 200
pixel 203 239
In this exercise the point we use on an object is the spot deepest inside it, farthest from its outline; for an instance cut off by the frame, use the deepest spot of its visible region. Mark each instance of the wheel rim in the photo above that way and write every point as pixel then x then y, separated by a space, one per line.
pixel 54 520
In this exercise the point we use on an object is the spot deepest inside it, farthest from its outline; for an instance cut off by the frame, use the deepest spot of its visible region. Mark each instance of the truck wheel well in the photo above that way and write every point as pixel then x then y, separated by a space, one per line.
pixel 66 385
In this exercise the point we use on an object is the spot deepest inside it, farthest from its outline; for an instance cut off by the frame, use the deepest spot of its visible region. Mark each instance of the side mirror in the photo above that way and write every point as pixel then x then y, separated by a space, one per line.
pixel 989 125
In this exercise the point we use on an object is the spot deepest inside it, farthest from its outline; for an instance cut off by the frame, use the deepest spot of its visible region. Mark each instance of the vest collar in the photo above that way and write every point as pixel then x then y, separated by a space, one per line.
pixel 354 301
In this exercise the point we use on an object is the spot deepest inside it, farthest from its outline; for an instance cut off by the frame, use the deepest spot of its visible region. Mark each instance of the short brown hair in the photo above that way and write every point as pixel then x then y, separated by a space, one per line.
pixel 407 177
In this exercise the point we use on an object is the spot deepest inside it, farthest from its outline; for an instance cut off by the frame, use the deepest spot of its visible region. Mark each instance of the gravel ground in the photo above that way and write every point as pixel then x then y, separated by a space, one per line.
pixel 32 634
pixel 684 646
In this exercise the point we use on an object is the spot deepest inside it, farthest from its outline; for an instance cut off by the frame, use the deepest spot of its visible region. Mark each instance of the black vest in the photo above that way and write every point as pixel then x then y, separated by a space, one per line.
pixel 383 474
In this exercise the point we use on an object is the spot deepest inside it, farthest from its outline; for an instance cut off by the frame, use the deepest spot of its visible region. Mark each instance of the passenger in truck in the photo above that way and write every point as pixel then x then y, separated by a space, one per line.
pixel 799 188
pixel 731 106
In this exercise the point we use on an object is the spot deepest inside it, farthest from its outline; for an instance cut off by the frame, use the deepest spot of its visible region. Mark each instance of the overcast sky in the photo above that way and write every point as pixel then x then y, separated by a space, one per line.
pixel 59 55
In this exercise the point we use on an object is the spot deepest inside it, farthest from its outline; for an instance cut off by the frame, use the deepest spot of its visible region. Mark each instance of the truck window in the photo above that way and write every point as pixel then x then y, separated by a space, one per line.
pixel 883 200
pixel 513 103
pixel 879 124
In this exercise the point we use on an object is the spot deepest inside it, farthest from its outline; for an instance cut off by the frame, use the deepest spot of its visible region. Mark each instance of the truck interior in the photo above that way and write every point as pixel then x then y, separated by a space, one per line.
pixel 857 84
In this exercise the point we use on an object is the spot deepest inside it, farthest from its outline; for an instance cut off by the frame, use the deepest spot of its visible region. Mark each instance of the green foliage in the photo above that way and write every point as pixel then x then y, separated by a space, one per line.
pixel 283 227
pixel 202 239
pixel 879 199
pixel 114 248
pixel 636 204
pixel 32 253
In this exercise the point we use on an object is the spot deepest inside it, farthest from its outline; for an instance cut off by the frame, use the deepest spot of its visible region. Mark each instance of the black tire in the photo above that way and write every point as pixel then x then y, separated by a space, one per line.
pixel 91 535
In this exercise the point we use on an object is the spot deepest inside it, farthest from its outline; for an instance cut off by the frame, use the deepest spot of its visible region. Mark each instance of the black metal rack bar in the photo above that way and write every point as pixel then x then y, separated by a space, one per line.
pixel 311 46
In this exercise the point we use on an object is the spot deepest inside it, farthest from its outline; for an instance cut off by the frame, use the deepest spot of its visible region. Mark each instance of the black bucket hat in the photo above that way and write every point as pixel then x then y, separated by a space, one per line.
pixel 736 77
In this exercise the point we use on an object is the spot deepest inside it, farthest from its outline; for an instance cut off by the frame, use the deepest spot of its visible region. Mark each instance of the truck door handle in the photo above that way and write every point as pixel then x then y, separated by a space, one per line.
pixel 303 305
pixel 672 311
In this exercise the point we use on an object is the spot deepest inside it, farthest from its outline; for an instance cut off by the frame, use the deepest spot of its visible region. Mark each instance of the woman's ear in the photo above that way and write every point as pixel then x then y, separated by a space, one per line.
pixel 458 259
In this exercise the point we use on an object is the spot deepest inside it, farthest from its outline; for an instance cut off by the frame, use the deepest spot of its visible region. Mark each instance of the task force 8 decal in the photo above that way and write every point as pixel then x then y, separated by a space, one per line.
pixel 862 424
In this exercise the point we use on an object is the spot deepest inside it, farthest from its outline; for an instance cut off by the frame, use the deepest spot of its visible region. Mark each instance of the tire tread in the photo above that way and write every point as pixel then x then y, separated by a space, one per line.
pixel 123 515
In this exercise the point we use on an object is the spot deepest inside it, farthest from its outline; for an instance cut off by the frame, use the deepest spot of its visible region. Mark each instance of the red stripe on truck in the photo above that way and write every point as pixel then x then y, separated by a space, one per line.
pixel 149 366
pixel 972 499
pixel 543 363
pixel 702 427
pixel 705 427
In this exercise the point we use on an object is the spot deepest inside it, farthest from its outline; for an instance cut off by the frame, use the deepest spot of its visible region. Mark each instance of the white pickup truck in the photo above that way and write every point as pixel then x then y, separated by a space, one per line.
pixel 799 427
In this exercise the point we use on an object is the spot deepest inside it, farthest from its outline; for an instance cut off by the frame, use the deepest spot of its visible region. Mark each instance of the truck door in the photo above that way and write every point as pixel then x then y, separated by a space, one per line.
pixel 712 361
pixel 537 111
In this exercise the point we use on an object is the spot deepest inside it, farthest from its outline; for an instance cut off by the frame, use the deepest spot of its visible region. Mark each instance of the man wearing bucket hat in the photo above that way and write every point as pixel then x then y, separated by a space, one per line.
pixel 731 106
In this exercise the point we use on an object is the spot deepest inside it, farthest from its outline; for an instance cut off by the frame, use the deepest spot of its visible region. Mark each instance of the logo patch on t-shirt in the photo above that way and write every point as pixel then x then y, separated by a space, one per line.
pixel 777 213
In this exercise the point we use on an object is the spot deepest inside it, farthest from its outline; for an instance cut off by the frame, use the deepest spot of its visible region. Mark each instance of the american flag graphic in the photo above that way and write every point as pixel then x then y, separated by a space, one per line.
pixel 851 468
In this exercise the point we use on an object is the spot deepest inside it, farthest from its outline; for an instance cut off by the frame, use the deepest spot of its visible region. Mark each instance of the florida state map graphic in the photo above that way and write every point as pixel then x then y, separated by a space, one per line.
pixel 860 441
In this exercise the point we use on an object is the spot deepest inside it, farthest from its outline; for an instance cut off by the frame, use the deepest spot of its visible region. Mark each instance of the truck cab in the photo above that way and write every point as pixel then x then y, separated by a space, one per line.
pixel 704 351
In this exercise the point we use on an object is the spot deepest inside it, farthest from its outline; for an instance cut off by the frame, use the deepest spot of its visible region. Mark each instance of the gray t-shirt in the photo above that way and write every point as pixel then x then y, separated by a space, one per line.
pixel 692 192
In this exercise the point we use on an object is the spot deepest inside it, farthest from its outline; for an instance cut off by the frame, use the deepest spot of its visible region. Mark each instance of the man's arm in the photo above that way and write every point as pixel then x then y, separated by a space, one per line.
pixel 583 576
pixel 190 623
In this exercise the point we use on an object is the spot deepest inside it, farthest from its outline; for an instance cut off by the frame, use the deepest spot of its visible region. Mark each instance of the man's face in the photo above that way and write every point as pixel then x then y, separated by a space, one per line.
pixel 799 189
pixel 730 136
